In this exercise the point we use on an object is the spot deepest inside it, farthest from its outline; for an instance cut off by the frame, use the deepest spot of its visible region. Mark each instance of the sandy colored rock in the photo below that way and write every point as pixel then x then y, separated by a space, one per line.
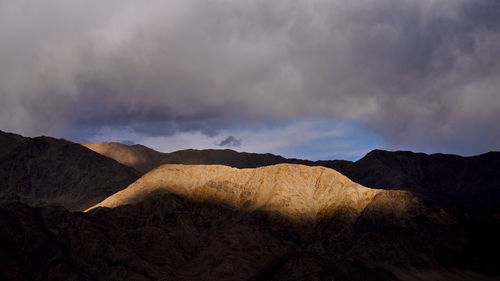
pixel 442 180
pixel 295 191
pixel 178 179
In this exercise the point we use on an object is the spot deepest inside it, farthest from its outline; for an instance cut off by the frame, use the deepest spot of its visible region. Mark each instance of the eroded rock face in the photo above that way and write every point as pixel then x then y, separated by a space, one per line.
pixel 295 191
pixel 46 171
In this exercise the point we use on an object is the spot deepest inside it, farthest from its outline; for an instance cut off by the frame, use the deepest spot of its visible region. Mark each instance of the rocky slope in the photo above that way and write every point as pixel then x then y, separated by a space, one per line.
pixel 9 142
pixel 387 235
pixel 442 179
pixel 167 237
pixel 295 191
pixel 45 171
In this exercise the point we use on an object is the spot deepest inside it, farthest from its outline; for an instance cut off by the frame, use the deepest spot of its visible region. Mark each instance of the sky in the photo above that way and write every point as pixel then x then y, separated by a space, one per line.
pixel 314 79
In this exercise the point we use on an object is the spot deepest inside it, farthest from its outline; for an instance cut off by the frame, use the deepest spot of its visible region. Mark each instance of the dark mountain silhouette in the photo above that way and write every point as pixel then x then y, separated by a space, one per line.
pixel 444 179
pixel 167 237
pixel 145 159
pixel 45 171
pixel 9 142
pixel 236 159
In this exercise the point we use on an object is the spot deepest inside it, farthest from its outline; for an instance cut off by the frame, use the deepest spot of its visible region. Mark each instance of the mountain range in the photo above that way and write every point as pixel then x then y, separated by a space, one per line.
pixel 443 179
pixel 119 212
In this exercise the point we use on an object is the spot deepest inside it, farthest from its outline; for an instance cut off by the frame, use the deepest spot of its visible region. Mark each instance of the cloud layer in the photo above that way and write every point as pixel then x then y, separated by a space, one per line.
pixel 421 74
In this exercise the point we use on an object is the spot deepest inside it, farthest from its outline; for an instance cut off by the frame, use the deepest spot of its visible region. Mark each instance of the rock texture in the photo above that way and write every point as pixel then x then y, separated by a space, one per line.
pixel 442 179
pixel 167 237
pixel 295 191
pixel 47 171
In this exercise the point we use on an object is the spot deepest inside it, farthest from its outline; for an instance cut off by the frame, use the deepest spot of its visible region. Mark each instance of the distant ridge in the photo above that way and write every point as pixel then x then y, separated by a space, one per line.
pixel 140 157
pixel 443 179
pixel 145 159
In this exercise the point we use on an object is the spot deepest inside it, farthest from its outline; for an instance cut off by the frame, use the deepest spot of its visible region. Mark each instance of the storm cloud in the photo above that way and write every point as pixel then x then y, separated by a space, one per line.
pixel 420 73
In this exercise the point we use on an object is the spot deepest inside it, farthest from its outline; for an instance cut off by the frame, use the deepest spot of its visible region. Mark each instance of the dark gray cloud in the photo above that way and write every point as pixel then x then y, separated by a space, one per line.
pixel 422 73
pixel 230 141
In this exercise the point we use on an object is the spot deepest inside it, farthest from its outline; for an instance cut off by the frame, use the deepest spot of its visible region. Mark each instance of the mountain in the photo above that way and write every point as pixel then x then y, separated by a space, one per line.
pixel 389 234
pixel 295 191
pixel 389 216
pixel 163 238
pixel 444 179
pixel 145 159
pixel 45 171
pixel 139 157
pixel 9 142
pixel 169 237
pixel 236 159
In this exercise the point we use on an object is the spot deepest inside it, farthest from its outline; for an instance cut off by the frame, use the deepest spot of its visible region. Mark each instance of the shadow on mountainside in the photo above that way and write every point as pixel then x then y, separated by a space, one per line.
pixel 167 237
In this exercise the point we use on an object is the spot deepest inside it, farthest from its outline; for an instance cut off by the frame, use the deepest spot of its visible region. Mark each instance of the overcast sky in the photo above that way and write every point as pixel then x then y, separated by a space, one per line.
pixel 317 79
